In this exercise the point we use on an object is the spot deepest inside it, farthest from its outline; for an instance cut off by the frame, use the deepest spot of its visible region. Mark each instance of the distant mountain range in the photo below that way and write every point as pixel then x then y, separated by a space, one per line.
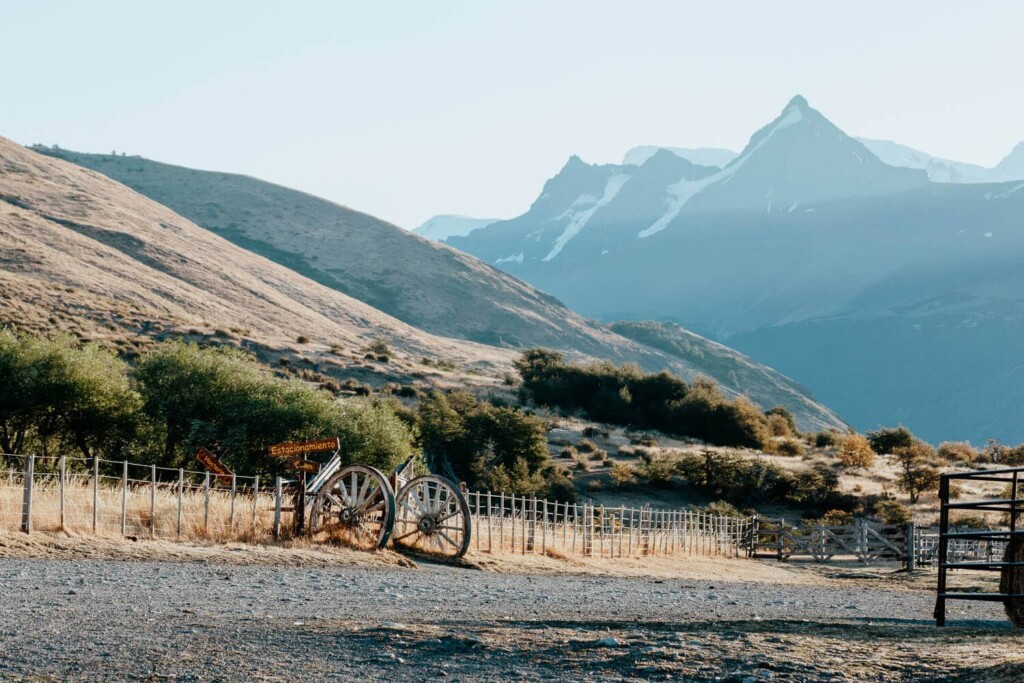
pixel 440 228
pixel 886 280
pixel 382 280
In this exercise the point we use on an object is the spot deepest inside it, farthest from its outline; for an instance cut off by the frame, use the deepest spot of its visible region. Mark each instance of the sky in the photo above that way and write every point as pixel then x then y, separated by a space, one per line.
pixel 405 110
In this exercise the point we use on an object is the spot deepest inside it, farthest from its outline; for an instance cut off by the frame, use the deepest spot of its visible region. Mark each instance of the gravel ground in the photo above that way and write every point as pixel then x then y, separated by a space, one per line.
pixel 101 620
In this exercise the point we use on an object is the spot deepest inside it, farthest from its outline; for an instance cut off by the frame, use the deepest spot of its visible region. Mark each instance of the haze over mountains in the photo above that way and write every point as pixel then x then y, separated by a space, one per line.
pixel 888 283
pixel 444 299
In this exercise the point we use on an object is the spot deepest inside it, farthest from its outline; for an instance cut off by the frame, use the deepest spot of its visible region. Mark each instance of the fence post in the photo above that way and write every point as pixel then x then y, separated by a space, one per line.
pixel 181 494
pixel 277 509
pixel 26 503
pixel 63 475
pixel 778 540
pixel 255 502
pixel 911 559
pixel 152 502
pixel 124 498
pixel 95 493
pixel 231 517
pixel 490 523
pixel 501 521
pixel 206 505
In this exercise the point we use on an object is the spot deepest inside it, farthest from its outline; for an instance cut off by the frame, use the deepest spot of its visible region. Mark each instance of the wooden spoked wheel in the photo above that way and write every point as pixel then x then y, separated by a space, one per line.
pixel 356 507
pixel 432 517
pixel 1011 580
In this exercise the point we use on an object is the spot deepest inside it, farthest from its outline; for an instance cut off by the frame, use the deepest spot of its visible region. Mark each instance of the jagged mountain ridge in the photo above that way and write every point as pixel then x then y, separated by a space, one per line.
pixel 803 231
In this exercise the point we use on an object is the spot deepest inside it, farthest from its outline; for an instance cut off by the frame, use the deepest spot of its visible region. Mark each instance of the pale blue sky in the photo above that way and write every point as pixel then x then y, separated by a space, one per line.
pixel 408 109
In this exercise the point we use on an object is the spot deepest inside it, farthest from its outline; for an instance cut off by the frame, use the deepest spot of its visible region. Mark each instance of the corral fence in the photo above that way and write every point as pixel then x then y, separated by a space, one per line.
pixel 120 498
pixel 528 525
pixel 866 542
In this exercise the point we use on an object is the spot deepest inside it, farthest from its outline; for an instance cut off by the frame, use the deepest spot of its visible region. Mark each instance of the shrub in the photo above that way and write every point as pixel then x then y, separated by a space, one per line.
pixel 837 518
pixel 626 396
pixel 302 339
pixel 958 451
pixel 826 439
pixel 623 475
pixel 722 508
pixel 408 391
pixel 568 452
pixel 789 446
pixel 781 422
pixel 657 470
pixel 891 512
pixel 855 451
pixel 383 358
pixel 888 440
pixel 586 446
pixel 377 347
pixel 592 432
pixel 600 456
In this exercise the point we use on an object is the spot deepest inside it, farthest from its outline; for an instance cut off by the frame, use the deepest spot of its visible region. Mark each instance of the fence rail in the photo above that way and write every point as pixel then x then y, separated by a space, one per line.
pixel 121 498
pixel 528 525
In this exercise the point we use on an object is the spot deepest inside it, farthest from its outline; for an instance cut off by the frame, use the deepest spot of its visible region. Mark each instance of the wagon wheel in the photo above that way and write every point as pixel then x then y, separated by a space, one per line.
pixel 432 517
pixel 356 506
pixel 1011 580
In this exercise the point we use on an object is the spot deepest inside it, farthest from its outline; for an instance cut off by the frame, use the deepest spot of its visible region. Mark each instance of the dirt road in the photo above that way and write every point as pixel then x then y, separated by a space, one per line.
pixel 104 620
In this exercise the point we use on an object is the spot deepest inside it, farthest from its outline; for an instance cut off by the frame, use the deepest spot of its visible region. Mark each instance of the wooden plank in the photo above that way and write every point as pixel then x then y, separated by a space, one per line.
pixel 213 464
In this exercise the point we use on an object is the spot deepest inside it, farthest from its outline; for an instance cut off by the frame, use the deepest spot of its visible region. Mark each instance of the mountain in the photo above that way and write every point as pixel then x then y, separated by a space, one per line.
pixel 440 228
pixel 334 249
pixel 701 156
pixel 944 170
pixel 1011 167
pixel 869 283
pixel 82 253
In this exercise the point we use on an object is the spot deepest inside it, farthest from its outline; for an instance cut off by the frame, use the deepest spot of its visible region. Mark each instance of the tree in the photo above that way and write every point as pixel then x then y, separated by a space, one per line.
pixel 887 440
pixel 59 396
pixel 222 399
pixel 917 473
pixel 855 451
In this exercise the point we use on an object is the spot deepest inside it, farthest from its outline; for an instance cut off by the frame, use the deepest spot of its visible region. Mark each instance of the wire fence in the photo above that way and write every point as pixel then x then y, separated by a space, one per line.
pixel 121 498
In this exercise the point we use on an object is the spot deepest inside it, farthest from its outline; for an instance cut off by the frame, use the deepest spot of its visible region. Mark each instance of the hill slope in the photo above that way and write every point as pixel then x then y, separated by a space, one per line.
pixel 81 252
pixel 421 282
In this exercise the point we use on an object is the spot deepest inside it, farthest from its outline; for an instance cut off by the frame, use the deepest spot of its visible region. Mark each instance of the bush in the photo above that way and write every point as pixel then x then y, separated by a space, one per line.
pixel 891 512
pixel 657 470
pixel 722 508
pixel 958 451
pixel 586 446
pixel 626 396
pixel 855 451
pixel 568 452
pixel 383 358
pixel 378 347
pixel 302 339
pixel 623 475
pixel 826 439
pixel 789 446
pixel 593 432
pixel 885 441
pixel 474 438
pixel 781 422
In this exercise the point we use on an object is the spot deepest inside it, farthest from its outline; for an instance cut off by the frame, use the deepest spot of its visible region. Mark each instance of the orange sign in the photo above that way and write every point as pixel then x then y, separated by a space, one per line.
pixel 212 463
pixel 288 449
pixel 302 465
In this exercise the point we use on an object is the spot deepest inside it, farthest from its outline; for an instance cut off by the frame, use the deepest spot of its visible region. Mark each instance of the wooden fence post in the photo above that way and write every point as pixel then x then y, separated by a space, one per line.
pixel 255 502
pixel 181 494
pixel 26 502
pixel 911 554
pixel 95 493
pixel 206 505
pixel 152 501
pixel 277 509
pixel 63 476
pixel 231 515
pixel 124 498
pixel 501 520
pixel 778 540
pixel 490 520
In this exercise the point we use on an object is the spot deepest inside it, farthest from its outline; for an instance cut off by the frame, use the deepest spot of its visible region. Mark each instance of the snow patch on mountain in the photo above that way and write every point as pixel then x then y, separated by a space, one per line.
pixel 579 216
pixel 512 258
pixel 685 190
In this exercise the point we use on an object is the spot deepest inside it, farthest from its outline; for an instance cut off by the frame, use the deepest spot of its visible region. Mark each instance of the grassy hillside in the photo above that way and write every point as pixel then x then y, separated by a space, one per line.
pixel 85 254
